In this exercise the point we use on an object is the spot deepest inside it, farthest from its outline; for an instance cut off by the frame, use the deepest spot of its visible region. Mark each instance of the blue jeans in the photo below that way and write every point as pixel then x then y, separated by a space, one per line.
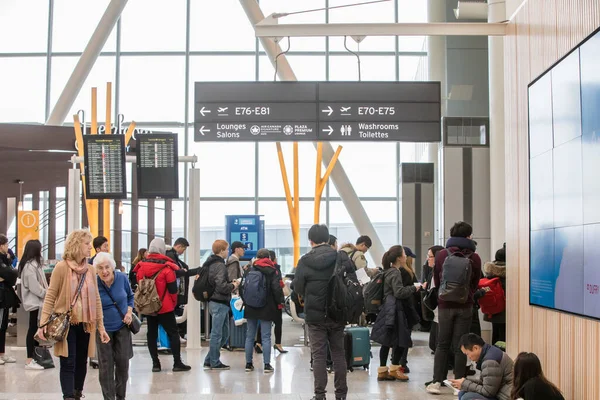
pixel 265 333
pixel 472 396
pixel 219 333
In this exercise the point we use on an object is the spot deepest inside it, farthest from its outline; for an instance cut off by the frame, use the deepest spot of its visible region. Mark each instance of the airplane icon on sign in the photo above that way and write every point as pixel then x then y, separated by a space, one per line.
pixel 222 109
pixel 345 110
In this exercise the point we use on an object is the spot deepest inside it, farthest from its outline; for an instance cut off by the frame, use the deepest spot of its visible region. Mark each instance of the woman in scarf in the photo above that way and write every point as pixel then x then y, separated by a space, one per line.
pixel 68 275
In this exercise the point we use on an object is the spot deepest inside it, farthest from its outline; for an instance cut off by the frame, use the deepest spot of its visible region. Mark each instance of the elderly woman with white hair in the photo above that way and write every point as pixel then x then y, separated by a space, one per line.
pixel 117 307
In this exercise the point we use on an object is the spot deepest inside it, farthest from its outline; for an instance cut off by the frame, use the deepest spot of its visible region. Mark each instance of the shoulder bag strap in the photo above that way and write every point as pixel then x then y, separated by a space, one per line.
pixel 112 299
pixel 78 291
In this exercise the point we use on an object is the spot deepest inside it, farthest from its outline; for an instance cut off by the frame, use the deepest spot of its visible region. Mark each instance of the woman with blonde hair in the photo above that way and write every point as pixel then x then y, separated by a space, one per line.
pixel 74 289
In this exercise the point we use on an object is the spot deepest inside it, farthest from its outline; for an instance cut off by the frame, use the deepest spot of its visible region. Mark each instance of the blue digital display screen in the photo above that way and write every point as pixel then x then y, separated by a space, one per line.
pixel 564 165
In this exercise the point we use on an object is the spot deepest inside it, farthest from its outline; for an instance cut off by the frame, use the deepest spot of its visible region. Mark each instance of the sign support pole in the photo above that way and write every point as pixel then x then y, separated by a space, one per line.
pixel 194 341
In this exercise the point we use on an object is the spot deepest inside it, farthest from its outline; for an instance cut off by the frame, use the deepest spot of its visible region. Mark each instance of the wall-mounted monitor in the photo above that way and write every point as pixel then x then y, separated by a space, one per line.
pixel 564 176
pixel 104 161
pixel 157 166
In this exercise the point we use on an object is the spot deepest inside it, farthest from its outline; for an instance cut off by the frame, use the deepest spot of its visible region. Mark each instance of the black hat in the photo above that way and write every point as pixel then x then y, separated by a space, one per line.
pixel 409 252
pixel 238 245
pixel 501 255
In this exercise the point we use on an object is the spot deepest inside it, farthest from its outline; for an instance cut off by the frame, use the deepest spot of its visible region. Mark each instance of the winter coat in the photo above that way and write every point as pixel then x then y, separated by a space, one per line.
pixel 396 317
pixel 9 275
pixel 234 270
pixel 217 277
pixel 494 270
pixel 271 310
pixel 33 286
pixel 311 281
pixel 358 258
pixel 166 282
pixel 467 246
pixel 496 376
pixel 183 276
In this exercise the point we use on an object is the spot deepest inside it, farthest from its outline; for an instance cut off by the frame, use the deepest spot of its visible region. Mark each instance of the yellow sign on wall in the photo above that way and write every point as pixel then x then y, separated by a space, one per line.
pixel 27 228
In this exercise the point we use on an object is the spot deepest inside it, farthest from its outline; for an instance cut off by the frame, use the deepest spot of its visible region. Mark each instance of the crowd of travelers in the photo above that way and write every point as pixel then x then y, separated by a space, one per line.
pixel 90 309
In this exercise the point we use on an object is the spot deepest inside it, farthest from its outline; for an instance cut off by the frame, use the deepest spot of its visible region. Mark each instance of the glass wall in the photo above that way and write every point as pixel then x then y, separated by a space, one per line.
pixel 157 52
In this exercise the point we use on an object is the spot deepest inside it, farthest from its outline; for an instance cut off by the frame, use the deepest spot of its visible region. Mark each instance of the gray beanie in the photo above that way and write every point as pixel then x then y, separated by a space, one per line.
pixel 157 246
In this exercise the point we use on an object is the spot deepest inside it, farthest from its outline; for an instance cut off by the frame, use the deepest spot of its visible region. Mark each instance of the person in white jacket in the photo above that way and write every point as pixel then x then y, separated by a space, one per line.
pixel 33 291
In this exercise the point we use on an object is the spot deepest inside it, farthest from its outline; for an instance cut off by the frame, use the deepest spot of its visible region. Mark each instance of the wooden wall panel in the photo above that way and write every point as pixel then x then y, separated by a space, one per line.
pixel 511 192
pixel 542 32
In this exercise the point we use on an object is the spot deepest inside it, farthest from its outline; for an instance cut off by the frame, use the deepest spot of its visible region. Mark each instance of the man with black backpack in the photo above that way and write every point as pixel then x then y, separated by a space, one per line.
pixel 456 275
pixel 312 282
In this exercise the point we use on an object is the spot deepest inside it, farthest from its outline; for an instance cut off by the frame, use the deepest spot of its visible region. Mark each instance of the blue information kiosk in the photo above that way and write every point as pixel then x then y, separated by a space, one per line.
pixel 248 229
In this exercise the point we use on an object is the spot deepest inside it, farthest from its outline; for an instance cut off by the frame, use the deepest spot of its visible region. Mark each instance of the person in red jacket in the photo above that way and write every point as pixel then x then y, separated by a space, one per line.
pixel 156 262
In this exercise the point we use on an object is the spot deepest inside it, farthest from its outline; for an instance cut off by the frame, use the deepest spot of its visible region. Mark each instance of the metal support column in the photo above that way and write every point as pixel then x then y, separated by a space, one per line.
pixel 86 62
pixel 497 13
pixel 73 201
pixel 436 63
pixel 338 175
pixel 193 307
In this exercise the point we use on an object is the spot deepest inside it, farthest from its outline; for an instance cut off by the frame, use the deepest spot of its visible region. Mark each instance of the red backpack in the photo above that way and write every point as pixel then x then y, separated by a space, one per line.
pixel 494 301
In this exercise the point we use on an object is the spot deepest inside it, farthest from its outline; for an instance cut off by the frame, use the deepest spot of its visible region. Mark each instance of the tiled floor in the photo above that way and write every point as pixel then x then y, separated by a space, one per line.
pixel 292 379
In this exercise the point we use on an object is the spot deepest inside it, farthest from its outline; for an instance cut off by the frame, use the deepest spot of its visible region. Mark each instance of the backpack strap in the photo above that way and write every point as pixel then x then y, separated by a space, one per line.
pixel 153 277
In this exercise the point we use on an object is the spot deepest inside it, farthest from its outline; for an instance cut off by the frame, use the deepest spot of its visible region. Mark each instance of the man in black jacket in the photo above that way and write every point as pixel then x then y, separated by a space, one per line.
pixel 183 279
pixel 9 298
pixel 219 304
pixel 311 282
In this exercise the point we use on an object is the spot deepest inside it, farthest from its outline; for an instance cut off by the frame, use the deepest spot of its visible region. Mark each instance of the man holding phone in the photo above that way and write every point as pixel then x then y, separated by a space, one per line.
pixel 496 378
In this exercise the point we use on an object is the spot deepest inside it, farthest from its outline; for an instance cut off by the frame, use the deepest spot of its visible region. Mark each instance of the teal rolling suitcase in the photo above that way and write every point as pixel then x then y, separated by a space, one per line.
pixel 361 347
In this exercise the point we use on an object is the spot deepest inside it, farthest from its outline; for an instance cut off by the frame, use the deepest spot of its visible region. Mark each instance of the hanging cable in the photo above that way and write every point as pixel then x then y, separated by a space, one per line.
pixel 280 54
pixel 279 15
pixel 357 56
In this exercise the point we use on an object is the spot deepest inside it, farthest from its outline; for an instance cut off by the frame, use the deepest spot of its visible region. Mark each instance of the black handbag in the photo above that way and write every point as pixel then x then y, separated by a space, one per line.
pixel 42 356
pixel 135 324
pixel 430 299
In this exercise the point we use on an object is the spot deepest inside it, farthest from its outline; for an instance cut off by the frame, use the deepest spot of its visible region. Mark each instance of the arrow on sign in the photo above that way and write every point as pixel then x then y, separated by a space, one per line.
pixel 204 111
pixel 328 110
pixel 203 130
pixel 329 130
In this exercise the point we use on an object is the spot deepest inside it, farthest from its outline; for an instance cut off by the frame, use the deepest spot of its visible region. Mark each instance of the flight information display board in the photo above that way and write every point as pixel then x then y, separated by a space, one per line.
pixel 157 168
pixel 104 160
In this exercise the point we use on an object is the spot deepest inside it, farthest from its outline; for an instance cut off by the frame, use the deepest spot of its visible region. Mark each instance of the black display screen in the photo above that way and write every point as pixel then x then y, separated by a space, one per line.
pixel 104 160
pixel 157 168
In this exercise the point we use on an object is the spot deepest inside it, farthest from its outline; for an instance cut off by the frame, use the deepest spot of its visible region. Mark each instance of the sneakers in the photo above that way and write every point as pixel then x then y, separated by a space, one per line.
pixel 2 362
pixel 156 367
pixel 434 388
pixel 405 369
pixel 220 367
pixel 181 367
pixel 268 369
pixel 8 359
pixel 33 365
pixel 207 366
pixel 249 367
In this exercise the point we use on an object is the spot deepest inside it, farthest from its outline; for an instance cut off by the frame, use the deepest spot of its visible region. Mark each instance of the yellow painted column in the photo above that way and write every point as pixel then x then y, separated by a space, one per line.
pixel 321 182
pixel 107 131
pixel 292 203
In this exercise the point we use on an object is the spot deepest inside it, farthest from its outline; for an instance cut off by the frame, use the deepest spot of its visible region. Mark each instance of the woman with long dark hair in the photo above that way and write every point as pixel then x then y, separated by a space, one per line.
pixel 33 290
pixel 140 256
pixel 529 382
pixel 395 308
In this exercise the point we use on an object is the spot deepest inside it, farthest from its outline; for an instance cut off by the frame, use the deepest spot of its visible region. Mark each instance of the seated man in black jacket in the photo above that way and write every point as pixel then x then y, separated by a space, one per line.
pixel 311 282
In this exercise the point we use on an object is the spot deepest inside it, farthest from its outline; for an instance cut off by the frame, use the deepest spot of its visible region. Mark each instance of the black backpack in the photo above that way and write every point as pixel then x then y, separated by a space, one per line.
pixel 341 294
pixel 455 285
pixel 373 294
pixel 203 289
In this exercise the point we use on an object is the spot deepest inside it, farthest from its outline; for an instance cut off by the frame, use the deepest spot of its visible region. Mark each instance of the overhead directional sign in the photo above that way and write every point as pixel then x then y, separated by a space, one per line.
pixel 291 111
